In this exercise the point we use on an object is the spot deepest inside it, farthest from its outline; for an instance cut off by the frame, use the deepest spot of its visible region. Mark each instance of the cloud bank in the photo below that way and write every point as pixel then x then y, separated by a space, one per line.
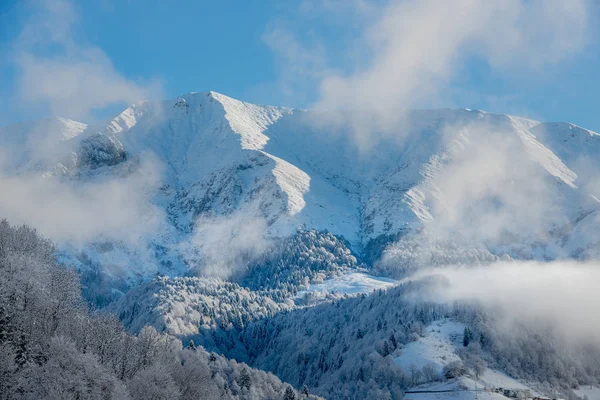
pixel 563 294
pixel 409 53
pixel 105 208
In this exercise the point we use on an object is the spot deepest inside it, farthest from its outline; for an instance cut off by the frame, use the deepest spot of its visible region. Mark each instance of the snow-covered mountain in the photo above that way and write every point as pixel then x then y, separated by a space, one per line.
pixel 224 159
pixel 281 241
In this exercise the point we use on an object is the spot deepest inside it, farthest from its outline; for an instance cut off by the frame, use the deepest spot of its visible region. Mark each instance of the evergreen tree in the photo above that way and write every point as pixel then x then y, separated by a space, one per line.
pixel 393 341
pixel 467 337
pixel 385 351
pixel 289 394
pixel 244 379
pixel 305 391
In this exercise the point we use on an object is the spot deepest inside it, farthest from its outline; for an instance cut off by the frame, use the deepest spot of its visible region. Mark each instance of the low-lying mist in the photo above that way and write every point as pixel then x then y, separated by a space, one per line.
pixel 110 207
pixel 562 295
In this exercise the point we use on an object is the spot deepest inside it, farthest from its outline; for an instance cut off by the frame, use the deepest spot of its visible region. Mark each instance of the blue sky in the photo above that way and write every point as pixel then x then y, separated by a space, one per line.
pixel 283 53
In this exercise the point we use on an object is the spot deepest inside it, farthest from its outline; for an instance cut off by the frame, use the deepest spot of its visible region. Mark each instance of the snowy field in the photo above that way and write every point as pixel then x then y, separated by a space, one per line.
pixel 459 394
pixel 438 347
pixel 351 284
pixel 591 392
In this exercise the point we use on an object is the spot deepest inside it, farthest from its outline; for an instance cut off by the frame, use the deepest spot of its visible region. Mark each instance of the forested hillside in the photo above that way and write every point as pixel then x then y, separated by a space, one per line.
pixel 349 348
pixel 53 347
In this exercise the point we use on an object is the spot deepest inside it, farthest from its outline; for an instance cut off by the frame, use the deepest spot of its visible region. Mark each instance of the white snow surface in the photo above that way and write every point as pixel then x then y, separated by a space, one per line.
pixel 591 392
pixel 437 346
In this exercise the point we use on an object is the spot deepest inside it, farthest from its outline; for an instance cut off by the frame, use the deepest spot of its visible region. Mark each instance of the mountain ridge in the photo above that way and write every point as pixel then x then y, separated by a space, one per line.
pixel 223 158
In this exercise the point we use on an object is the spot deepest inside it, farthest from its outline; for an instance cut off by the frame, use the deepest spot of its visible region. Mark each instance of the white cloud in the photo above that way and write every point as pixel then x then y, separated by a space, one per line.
pixel 63 73
pixel 408 53
pixel 492 184
pixel 298 62
pixel 103 208
pixel 561 294
pixel 226 244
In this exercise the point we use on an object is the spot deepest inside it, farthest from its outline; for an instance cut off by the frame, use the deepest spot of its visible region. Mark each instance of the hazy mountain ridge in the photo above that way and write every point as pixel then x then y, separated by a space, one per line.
pixel 218 156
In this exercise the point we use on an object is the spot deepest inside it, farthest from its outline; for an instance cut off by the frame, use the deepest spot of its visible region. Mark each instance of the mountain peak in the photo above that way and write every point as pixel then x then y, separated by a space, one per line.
pixel 52 129
pixel 196 96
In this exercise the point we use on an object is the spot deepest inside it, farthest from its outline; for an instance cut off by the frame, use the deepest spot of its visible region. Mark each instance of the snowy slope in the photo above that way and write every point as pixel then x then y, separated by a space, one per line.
pixel 438 347
pixel 222 158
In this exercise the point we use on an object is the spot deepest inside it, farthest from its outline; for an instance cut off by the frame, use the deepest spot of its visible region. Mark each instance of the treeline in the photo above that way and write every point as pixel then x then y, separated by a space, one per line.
pixel 346 349
pixel 416 251
pixel 340 350
pixel 294 262
pixel 186 305
pixel 52 347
